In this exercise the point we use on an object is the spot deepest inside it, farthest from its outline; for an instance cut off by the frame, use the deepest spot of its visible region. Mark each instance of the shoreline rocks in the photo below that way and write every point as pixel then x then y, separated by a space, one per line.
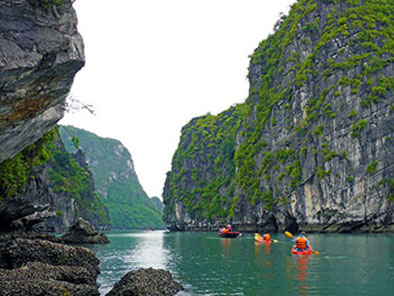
pixel 32 265
pixel 35 264
pixel 82 232
pixel 36 278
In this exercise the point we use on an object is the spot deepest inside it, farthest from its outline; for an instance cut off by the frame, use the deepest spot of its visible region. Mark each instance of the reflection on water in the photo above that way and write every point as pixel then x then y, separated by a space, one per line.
pixel 206 264
pixel 148 252
pixel 130 251
pixel 302 273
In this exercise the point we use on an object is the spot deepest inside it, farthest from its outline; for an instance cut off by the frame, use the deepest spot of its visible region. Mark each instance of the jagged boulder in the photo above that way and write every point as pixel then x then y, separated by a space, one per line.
pixel 19 251
pixel 41 51
pixel 82 232
pixel 30 264
pixel 35 278
pixel 146 282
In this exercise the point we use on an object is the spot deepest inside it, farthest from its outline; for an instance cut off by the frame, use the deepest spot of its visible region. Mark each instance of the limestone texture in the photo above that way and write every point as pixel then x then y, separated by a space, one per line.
pixel 312 146
pixel 41 51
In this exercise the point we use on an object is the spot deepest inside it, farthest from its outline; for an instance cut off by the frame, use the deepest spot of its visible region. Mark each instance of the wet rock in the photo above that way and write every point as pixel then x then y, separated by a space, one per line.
pixel 27 287
pixel 143 282
pixel 82 232
pixel 31 264
pixel 15 253
pixel 37 271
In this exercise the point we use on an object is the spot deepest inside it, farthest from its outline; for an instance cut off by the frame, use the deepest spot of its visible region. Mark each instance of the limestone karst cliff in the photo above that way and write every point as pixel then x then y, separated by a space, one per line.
pixel 312 146
pixel 46 186
pixel 41 51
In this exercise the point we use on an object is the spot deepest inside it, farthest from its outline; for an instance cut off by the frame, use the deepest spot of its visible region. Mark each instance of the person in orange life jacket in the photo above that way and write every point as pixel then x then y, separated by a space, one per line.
pixel 301 242
pixel 266 237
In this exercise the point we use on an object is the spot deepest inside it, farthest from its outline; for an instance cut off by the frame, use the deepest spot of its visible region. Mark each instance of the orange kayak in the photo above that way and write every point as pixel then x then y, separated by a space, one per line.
pixel 259 238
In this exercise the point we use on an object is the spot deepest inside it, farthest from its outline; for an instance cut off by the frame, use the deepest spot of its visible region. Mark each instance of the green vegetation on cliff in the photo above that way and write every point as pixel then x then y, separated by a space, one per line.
pixel 65 176
pixel 47 4
pixel 327 65
pixel 115 179
pixel 15 172
pixel 209 141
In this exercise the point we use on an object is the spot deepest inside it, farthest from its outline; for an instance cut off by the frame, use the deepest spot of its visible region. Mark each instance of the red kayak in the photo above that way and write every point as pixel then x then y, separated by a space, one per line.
pixel 306 252
pixel 229 234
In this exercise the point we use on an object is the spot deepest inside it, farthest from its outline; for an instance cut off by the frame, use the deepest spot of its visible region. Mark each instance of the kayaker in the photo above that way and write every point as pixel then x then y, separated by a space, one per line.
pixel 266 237
pixel 229 228
pixel 301 242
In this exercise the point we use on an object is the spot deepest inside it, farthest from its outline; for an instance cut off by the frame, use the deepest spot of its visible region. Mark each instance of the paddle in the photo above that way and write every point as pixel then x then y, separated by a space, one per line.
pixel 288 234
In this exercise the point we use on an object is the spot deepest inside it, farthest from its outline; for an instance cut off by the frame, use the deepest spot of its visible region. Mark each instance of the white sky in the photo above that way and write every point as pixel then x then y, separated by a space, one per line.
pixel 153 65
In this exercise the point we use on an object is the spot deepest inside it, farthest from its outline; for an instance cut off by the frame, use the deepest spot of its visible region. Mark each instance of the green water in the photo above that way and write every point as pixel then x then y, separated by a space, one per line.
pixel 205 264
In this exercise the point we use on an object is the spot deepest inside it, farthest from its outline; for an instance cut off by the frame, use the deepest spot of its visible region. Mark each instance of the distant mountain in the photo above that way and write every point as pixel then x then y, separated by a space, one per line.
pixel 115 178
pixel 158 203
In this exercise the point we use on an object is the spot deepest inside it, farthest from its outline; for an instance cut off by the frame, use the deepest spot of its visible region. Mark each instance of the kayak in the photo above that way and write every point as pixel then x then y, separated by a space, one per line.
pixel 307 252
pixel 229 234
pixel 259 238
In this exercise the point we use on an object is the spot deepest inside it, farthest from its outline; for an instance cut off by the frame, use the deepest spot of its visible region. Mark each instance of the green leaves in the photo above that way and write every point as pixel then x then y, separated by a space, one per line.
pixel 47 4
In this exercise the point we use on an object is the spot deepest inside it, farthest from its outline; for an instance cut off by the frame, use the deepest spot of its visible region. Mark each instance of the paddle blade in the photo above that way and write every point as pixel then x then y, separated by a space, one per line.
pixel 288 234
pixel 316 252
pixel 275 240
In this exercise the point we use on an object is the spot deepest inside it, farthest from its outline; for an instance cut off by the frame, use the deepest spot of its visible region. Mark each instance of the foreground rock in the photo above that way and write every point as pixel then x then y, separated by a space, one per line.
pixel 152 282
pixel 82 232
pixel 36 278
pixel 34 266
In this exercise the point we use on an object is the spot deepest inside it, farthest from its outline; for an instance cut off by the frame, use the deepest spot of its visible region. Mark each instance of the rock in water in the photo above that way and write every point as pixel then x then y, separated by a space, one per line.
pixel 82 232
pixel 144 282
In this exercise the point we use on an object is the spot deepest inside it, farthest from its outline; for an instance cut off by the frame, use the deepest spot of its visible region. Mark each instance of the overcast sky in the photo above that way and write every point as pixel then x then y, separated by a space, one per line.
pixel 153 65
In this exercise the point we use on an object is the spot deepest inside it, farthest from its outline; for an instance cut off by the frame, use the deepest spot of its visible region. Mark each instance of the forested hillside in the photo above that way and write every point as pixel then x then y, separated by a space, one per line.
pixel 115 179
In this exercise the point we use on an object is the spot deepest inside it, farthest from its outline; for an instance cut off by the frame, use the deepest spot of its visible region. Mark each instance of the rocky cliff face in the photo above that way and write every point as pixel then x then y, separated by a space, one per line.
pixel 116 180
pixel 41 51
pixel 45 182
pixel 312 146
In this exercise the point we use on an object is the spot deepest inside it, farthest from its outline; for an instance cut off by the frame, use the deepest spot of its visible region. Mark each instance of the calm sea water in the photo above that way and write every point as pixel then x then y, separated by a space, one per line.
pixel 205 264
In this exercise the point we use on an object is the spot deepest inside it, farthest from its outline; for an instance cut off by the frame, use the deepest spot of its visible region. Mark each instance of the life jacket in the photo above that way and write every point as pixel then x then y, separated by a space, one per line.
pixel 225 230
pixel 301 243
pixel 266 237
